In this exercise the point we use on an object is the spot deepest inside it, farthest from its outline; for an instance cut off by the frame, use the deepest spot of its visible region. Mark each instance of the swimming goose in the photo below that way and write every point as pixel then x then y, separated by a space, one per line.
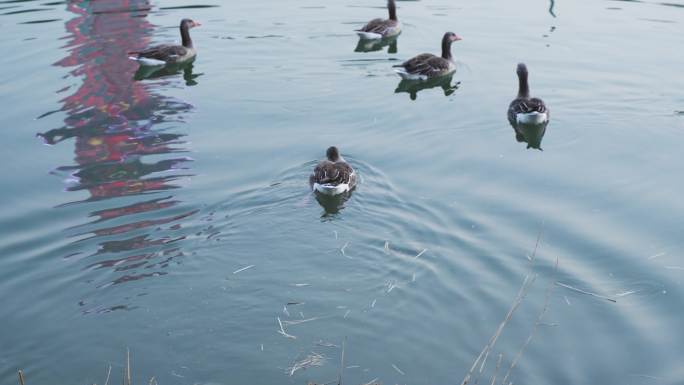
pixel 169 54
pixel 524 109
pixel 382 28
pixel 333 176
pixel 427 65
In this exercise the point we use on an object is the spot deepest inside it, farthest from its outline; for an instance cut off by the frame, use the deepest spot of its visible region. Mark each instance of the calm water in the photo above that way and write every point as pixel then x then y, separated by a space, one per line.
pixel 169 213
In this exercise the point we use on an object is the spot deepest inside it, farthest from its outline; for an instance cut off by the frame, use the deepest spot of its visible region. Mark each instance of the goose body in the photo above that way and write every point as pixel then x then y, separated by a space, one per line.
pixel 169 54
pixel 333 175
pixel 428 66
pixel 381 28
pixel 524 109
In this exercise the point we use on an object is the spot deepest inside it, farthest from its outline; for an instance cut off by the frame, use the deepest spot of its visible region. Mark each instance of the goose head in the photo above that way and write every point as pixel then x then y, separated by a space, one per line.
pixel 189 23
pixel 523 87
pixel 392 8
pixel 332 154
pixel 448 38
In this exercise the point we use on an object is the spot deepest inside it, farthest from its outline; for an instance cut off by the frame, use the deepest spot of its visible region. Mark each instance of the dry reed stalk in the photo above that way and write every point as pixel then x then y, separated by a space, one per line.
pixel 128 366
pixel 339 377
pixel 522 292
pixel 21 377
pixel 527 282
pixel 109 372
pixel 545 308
pixel 313 359
pixel 496 370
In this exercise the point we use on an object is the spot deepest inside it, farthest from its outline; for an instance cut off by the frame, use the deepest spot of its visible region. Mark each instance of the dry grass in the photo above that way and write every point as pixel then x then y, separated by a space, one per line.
pixel 125 376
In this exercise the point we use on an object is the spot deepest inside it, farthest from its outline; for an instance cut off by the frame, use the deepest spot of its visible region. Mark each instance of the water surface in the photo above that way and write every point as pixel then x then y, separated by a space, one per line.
pixel 168 212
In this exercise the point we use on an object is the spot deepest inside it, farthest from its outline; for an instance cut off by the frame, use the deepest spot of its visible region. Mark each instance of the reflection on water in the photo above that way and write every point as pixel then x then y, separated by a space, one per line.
pixel 378 44
pixel 532 134
pixel 332 204
pixel 412 87
pixel 158 72
pixel 124 142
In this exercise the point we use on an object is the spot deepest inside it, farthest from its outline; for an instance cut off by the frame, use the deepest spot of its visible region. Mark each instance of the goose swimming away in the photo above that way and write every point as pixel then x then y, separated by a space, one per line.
pixel 523 109
pixel 333 175
pixel 381 28
pixel 426 66
pixel 169 54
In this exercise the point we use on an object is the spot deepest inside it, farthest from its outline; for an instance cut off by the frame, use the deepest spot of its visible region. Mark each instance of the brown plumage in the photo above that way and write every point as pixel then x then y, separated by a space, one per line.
pixel 427 65
pixel 332 174
pixel 170 54
pixel 382 28
pixel 523 104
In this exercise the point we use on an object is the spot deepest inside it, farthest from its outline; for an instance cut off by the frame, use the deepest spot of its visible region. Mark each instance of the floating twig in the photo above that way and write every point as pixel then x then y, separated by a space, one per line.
pixel 109 372
pixel 283 332
pixel 339 377
pixel 371 382
pixel 313 359
pixel 346 314
pixel 654 256
pixel 398 370
pixel 300 321
pixel 344 248
pixel 243 269
pixel 128 366
pixel 387 247
pixel 419 254
pixel 496 370
pixel 585 292
pixel 390 285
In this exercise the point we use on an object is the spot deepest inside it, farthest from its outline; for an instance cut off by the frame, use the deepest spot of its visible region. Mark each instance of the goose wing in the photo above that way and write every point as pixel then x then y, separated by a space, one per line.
pixel 162 52
pixel 334 173
pixel 426 64
pixel 379 26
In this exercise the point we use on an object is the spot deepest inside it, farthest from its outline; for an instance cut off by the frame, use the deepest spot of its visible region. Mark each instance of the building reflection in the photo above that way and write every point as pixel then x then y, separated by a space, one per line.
pixel 127 144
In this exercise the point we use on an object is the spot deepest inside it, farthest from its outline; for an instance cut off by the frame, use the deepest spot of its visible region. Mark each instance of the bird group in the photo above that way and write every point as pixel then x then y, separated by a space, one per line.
pixel 333 176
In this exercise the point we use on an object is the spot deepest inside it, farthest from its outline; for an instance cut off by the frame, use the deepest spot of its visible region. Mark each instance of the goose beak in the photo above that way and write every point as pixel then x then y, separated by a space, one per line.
pixel 196 24
pixel 456 38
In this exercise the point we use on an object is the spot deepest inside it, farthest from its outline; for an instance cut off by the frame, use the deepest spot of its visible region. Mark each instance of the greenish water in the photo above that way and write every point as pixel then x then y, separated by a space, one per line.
pixel 169 213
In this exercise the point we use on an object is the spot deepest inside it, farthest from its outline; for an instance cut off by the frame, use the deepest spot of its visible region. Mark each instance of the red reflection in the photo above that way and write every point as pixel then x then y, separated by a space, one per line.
pixel 119 147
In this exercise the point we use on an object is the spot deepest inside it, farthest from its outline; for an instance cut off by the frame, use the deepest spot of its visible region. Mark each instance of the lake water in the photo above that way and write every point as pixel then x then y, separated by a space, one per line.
pixel 169 213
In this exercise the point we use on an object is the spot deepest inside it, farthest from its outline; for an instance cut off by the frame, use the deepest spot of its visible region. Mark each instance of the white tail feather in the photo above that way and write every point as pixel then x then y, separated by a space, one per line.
pixel 369 35
pixel 147 61
pixel 409 76
pixel 329 189
pixel 531 117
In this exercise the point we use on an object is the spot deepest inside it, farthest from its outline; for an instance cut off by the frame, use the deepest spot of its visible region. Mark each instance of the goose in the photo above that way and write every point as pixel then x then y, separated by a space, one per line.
pixel 426 66
pixel 523 109
pixel 169 54
pixel 333 175
pixel 381 28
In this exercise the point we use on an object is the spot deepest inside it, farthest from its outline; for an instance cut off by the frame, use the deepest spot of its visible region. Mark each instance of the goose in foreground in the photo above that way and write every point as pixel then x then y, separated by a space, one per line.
pixel 382 28
pixel 426 66
pixel 169 54
pixel 333 175
pixel 523 109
